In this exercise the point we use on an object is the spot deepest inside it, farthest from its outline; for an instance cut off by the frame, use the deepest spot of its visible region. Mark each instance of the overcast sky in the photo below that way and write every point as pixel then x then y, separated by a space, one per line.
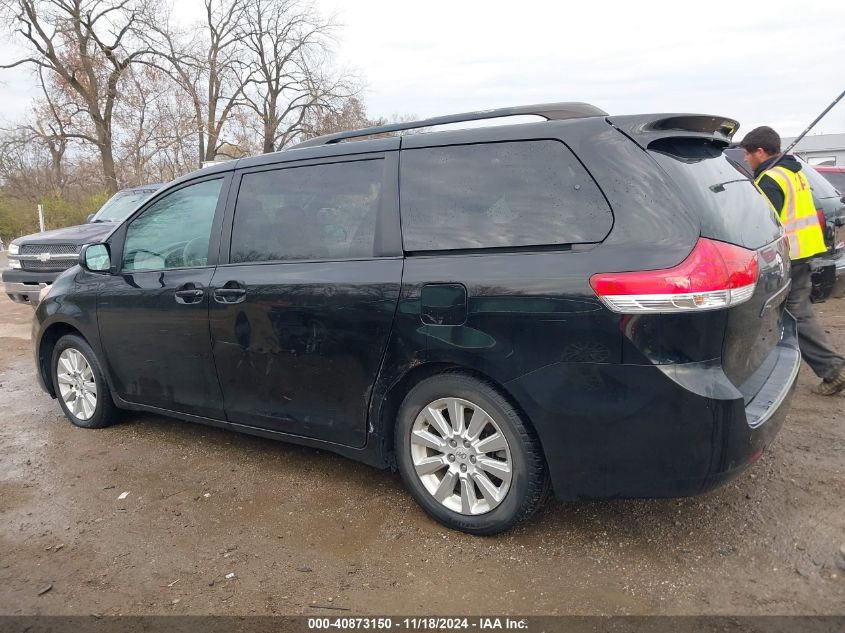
pixel 777 63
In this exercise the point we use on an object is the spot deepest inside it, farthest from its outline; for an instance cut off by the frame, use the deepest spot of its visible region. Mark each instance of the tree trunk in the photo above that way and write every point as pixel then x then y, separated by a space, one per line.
pixel 104 144
pixel 271 126
pixel 211 144
pixel 201 146
pixel 109 173
pixel 268 141
pixel 106 152
pixel 56 157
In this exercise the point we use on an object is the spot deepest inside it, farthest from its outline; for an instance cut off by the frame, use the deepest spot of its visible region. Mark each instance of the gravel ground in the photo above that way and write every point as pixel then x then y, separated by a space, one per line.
pixel 221 523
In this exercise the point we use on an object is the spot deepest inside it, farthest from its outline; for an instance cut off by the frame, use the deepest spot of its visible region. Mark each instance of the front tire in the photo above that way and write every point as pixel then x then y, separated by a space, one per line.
pixel 80 385
pixel 467 456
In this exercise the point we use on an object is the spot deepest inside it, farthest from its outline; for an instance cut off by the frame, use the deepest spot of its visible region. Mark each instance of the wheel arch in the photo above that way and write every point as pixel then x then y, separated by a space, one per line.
pixel 47 344
pixel 400 388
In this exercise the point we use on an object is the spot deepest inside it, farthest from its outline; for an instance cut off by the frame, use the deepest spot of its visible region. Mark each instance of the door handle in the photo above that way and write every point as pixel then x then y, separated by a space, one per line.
pixel 189 293
pixel 230 292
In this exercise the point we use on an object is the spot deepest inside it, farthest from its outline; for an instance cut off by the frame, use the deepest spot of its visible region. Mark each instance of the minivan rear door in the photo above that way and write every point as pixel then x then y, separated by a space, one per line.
pixel 731 209
pixel 301 313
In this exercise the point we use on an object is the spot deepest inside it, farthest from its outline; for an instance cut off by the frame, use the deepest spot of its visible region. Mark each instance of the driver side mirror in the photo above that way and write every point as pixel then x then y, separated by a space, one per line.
pixel 89 218
pixel 95 258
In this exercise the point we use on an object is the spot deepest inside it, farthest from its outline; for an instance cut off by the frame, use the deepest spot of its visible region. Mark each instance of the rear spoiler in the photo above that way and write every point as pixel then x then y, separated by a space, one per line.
pixel 645 128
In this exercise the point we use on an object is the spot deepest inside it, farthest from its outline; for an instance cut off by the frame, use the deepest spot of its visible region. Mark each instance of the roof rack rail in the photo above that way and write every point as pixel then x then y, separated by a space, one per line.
pixel 549 111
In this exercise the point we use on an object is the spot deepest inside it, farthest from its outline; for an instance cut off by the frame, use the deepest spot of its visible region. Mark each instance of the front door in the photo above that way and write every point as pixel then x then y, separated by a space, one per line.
pixel 301 315
pixel 153 314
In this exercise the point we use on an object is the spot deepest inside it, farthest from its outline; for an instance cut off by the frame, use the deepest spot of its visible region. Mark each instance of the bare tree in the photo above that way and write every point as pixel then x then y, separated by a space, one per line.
pixel 351 115
pixel 50 127
pixel 25 164
pixel 28 176
pixel 154 128
pixel 86 44
pixel 131 97
pixel 291 67
pixel 208 63
pixel 34 154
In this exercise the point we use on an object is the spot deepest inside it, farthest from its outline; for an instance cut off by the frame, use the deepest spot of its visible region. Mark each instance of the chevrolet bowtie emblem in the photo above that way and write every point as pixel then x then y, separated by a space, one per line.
pixel 43 257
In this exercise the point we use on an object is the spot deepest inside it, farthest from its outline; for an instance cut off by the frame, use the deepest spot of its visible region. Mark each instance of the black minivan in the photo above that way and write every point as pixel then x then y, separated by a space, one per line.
pixel 588 304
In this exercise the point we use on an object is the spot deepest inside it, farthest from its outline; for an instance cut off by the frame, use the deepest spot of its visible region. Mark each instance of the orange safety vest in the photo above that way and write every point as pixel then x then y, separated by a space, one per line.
pixel 798 215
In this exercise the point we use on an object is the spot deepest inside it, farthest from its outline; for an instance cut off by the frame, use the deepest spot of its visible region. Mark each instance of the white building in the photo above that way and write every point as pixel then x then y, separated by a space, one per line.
pixel 820 149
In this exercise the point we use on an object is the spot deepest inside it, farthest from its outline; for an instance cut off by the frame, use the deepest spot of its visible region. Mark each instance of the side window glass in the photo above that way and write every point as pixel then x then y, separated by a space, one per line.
pixel 313 212
pixel 507 194
pixel 175 231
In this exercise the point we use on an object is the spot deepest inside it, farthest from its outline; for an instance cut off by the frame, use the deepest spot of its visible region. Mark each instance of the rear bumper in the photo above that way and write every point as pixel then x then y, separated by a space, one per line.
pixel 839 285
pixel 764 414
pixel 828 276
pixel 611 431
pixel 23 286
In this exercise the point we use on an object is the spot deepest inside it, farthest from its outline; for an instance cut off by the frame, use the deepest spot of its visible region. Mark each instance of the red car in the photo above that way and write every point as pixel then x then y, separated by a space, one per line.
pixel 836 176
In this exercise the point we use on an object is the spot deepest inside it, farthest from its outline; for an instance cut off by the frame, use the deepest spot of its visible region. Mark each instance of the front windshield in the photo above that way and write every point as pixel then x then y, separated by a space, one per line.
pixel 120 205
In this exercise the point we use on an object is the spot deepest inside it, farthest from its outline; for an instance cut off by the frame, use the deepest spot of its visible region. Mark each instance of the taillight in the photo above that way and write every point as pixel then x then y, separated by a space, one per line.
pixel 822 221
pixel 714 275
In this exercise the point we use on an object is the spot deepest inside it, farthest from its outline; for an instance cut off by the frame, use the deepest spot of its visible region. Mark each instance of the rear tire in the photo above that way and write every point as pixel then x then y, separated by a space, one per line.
pixel 80 385
pixel 481 472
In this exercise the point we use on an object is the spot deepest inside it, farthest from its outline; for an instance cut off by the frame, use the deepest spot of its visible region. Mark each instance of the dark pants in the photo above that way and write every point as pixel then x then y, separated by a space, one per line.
pixel 812 339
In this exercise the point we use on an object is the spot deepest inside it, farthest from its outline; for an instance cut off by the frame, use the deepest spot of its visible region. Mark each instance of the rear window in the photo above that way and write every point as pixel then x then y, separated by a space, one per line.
pixel 498 195
pixel 836 178
pixel 821 186
pixel 729 206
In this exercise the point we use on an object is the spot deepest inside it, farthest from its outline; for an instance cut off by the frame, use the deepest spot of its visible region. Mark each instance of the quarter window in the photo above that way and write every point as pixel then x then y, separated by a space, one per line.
pixel 317 212
pixel 510 194
pixel 175 231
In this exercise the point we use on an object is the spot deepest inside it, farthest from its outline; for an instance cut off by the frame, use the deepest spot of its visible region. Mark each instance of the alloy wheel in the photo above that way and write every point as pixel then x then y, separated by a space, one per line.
pixel 461 456
pixel 77 386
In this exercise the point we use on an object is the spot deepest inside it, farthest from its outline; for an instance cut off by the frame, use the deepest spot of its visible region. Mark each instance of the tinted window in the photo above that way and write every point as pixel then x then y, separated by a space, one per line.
pixel 819 183
pixel 315 212
pixel 821 186
pixel 174 231
pixel 510 194
pixel 836 178
pixel 730 207
pixel 737 158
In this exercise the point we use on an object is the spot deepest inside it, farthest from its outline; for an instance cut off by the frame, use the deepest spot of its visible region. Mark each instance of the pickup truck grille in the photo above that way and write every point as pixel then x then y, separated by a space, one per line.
pixel 58 257
pixel 53 249
pixel 44 267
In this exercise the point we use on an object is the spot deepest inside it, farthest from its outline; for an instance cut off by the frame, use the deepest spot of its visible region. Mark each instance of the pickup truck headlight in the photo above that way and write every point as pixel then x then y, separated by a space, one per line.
pixel 14 262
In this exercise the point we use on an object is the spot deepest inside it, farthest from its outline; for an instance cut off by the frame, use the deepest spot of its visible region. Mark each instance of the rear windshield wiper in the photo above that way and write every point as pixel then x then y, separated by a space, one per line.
pixel 720 186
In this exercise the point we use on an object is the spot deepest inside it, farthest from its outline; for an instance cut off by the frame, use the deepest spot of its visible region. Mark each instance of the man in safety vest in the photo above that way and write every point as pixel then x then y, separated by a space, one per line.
pixel 789 192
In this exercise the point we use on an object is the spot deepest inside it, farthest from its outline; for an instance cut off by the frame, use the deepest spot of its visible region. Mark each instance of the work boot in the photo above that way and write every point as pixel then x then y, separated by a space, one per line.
pixel 832 386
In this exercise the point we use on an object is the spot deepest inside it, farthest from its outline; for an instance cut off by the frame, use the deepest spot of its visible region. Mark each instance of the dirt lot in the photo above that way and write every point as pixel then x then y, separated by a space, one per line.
pixel 300 527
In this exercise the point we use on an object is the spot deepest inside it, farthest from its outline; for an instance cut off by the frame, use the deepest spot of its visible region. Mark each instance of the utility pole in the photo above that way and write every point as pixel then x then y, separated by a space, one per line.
pixel 41 217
